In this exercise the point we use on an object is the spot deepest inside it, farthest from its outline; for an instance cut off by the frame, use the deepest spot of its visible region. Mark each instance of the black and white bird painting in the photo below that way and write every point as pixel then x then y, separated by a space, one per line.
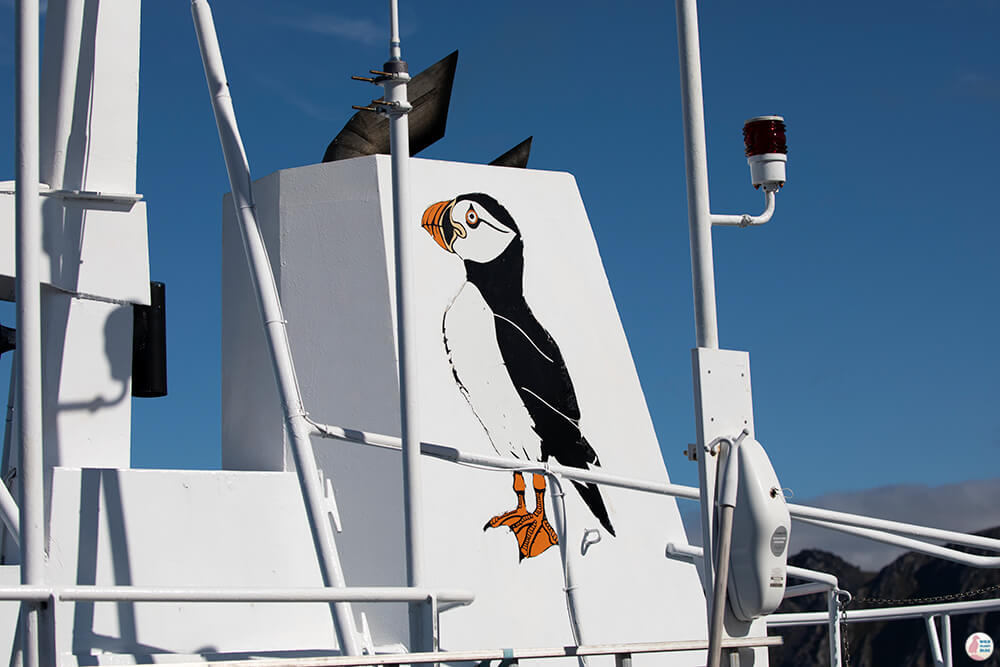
pixel 506 364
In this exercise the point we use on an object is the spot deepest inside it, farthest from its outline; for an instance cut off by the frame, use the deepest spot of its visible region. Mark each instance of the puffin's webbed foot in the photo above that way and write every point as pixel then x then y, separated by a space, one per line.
pixel 533 531
pixel 515 515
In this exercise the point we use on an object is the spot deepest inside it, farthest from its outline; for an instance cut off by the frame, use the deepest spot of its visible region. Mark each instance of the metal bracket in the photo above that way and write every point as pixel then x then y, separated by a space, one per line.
pixel 330 500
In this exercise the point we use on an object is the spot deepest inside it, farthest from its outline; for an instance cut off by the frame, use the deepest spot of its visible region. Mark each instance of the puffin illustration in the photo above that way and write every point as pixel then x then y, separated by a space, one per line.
pixel 506 364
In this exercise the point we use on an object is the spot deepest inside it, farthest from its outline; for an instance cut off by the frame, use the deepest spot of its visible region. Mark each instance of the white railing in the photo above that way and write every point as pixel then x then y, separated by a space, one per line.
pixel 941 651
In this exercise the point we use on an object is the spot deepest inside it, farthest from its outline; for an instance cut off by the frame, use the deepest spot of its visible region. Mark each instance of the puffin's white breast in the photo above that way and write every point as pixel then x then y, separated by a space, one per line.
pixel 471 342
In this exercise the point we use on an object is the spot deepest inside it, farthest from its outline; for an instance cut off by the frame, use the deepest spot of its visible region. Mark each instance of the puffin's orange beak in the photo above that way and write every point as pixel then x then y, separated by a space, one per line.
pixel 438 223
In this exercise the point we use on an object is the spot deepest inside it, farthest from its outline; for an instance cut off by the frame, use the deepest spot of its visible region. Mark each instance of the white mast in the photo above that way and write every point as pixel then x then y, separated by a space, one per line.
pixel 29 325
pixel 396 106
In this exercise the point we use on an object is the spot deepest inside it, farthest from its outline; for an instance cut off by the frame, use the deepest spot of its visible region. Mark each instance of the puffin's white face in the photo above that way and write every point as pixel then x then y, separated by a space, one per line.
pixel 484 237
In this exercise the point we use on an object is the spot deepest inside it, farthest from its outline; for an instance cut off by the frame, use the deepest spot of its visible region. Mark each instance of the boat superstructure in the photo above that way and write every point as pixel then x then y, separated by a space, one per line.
pixel 418 347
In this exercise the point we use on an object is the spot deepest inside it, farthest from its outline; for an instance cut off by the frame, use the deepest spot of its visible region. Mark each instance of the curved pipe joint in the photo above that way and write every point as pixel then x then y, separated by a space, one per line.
pixel 746 220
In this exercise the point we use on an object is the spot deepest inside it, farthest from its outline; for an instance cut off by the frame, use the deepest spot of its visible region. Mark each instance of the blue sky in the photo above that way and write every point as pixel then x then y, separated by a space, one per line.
pixel 868 304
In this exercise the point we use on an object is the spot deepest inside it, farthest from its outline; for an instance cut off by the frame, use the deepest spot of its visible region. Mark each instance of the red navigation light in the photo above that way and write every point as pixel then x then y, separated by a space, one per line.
pixel 765 134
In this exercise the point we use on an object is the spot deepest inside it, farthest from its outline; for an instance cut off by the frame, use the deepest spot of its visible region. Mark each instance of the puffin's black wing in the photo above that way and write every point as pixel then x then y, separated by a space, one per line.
pixel 539 374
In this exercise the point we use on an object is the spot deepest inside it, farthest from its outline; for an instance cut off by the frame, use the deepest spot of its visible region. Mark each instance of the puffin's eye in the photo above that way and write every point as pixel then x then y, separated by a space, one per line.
pixel 471 219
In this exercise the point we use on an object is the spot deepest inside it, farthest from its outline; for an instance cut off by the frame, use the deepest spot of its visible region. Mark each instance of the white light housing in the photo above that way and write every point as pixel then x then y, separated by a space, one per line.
pixel 767 152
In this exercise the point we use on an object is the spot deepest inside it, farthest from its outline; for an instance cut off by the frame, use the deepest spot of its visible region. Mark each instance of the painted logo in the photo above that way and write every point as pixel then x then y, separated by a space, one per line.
pixel 979 646
pixel 506 364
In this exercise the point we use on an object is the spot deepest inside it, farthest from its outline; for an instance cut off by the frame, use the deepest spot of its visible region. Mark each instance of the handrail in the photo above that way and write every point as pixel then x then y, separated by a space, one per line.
pixel 454 455
pixel 804 512
pixel 887 613
pixel 911 544
pixel 504 654
pixel 879 530
pixel 215 594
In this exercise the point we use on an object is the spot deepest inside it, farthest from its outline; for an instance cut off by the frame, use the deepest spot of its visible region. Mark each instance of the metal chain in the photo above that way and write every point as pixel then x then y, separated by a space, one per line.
pixel 842 602
pixel 936 598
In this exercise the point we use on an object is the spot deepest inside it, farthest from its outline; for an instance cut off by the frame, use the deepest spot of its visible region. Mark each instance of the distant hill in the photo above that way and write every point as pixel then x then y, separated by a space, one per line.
pixel 901 643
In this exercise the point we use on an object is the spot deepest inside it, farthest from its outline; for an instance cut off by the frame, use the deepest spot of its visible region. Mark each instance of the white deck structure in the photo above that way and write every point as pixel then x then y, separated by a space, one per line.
pixel 121 566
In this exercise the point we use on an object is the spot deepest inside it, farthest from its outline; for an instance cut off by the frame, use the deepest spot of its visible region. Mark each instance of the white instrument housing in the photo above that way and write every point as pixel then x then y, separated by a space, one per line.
pixel 761 526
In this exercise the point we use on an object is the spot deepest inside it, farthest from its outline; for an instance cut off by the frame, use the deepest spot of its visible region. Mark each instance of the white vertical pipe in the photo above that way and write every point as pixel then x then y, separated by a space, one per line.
pixel 833 608
pixel 932 639
pixel 406 340
pixel 696 162
pixel 727 506
pixel 29 322
pixel 946 639
pixel 64 30
pixel 700 230
pixel 297 428
pixel 8 424
pixel 394 46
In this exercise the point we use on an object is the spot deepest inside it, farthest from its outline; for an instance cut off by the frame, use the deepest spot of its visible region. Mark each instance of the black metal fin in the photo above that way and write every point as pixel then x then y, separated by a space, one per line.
pixel 429 92
pixel 516 156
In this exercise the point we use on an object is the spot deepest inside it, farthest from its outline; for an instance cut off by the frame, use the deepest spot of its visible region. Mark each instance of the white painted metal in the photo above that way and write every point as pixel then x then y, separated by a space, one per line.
pixel 10 513
pixel 934 641
pixel 242 595
pixel 8 506
pixel 745 220
pixel 760 536
pixel 723 410
pixel 823 582
pixel 909 543
pixel 329 230
pixel 26 593
pixel 834 639
pixel 274 322
pixel 501 463
pixel 767 169
pixel 728 487
pixel 98 231
pixel 27 288
pixel 64 29
pixel 690 552
pixel 503 655
pixel 802 590
pixel 946 639
pixel 406 343
pixel 696 161
pixel 832 516
pixel 885 614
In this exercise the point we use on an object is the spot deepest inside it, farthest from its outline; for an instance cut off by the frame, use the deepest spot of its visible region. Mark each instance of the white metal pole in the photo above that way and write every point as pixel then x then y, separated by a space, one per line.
pixel 727 506
pixel 833 608
pixel 932 639
pixel 406 340
pixel 297 427
pixel 946 639
pixel 63 29
pixel 700 231
pixel 9 513
pixel 696 162
pixel 29 323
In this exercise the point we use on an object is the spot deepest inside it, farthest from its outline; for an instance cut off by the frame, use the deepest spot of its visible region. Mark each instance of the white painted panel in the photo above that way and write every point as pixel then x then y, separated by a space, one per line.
pixel 723 408
pixel 185 529
pixel 87 247
pixel 87 382
pixel 334 237
pixel 628 592
pixel 10 575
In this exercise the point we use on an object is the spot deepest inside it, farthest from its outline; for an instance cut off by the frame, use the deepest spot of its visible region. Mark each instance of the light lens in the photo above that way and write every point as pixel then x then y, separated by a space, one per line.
pixel 764 134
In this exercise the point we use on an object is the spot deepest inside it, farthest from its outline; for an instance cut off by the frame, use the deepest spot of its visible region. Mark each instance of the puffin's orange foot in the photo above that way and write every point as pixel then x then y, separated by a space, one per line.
pixel 508 518
pixel 532 531
pixel 515 515
pixel 534 535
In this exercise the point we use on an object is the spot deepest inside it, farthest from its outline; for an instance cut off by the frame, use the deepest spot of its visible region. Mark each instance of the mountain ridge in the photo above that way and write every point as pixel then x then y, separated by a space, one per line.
pixel 902 642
